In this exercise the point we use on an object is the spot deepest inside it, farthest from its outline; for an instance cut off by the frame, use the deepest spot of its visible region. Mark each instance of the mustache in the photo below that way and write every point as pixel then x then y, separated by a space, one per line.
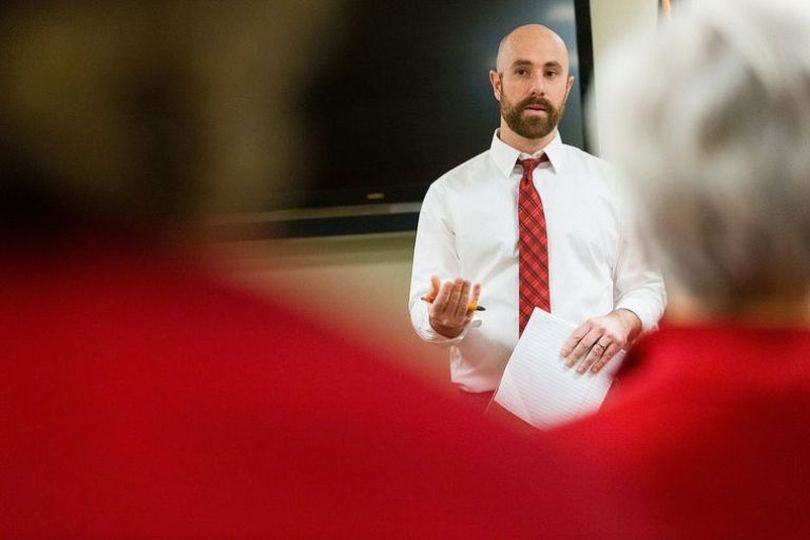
pixel 543 102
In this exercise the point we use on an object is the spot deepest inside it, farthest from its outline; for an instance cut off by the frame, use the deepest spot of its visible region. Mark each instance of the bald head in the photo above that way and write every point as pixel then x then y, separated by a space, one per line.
pixel 530 40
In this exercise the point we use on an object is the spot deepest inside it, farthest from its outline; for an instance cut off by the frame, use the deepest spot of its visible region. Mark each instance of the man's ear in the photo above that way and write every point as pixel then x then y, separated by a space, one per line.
pixel 495 81
pixel 569 85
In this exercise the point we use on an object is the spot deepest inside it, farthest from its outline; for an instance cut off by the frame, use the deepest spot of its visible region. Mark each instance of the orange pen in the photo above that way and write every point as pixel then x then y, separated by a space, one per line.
pixel 472 306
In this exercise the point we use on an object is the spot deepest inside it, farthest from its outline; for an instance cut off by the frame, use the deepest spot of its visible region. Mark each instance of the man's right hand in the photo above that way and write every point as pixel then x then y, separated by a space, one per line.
pixel 450 302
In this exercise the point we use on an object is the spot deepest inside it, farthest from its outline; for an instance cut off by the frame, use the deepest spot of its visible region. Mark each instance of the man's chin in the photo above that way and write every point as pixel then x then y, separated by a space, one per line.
pixel 535 132
pixel 530 126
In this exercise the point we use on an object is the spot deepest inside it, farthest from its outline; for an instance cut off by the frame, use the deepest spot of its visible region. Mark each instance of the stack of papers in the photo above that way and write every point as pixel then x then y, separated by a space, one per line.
pixel 539 388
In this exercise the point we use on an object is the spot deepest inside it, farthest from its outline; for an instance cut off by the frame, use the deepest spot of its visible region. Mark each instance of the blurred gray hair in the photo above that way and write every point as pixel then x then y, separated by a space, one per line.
pixel 710 120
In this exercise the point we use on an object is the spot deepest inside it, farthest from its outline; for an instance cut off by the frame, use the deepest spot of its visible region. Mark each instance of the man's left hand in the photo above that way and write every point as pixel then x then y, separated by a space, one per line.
pixel 601 338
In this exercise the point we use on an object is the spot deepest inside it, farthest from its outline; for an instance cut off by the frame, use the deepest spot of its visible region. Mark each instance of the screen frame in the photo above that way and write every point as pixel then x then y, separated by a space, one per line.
pixel 336 212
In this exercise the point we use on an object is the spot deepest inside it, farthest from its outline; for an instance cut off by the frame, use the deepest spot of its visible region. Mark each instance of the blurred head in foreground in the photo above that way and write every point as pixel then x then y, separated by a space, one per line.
pixel 711 122
pixel 706 433
pixel 143 395
pixel 147 113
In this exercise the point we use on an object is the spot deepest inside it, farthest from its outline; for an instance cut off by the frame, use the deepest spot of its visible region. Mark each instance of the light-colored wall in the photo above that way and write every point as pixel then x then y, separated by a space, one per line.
pixel 360 283
pixel 610 20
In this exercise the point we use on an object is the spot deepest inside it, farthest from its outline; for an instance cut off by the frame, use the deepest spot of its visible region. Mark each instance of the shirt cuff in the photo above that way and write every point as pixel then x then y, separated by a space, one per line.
pixel 648 315
pixel 421 323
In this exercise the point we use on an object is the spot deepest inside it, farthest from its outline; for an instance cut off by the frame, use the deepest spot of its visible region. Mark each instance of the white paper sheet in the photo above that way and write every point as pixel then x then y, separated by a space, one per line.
pixel 539 388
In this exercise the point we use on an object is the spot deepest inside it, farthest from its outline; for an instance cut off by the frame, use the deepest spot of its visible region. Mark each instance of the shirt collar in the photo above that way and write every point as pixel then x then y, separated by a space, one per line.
pixel 505 157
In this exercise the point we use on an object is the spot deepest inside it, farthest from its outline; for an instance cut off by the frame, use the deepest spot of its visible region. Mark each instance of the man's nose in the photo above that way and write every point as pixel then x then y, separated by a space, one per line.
pixel 538 85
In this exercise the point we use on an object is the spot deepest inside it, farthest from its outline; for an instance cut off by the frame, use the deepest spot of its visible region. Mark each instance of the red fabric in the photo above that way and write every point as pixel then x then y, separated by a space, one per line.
pixel 707 435
pixel 141 397
pixel 532 246
pixel 477 401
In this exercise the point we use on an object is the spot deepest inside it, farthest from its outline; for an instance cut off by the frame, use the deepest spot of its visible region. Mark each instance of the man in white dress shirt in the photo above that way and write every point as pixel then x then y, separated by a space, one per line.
pixel 467 239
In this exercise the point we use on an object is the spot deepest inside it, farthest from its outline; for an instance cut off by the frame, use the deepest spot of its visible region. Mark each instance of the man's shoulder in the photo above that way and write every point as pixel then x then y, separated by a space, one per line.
pixel 477 167
pixel 587 159
pixel 591 167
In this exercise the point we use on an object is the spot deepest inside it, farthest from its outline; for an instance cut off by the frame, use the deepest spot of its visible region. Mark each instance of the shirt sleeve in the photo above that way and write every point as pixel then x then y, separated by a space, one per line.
pixel 638 282
pixel 434 253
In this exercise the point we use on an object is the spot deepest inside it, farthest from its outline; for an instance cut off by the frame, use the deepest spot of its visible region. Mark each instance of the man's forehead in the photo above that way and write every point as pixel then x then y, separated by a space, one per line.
pixel 536 44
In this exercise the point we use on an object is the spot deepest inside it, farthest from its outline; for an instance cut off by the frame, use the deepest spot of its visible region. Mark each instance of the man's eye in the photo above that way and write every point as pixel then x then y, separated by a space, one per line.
pixel 551 74
pixel 521 71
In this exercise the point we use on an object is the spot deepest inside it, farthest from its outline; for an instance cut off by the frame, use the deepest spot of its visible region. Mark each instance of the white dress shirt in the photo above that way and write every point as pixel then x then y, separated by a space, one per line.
pixel 468 227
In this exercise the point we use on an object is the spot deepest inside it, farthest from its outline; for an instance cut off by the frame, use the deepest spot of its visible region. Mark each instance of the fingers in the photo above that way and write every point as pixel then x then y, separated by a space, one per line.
pixel 457 305
pixel 598 355
pixel 471 303
pixel 464 301
pixel 451 306
pixel 454 297
pixel 440 303
pixel 594 343
pixel 476 294
pixel 589 337
pixel 435 285
pixel 609 353
pixel 572 341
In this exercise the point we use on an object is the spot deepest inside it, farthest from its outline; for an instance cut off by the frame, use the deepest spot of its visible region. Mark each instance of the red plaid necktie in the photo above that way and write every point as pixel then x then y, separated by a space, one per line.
pixel 532 246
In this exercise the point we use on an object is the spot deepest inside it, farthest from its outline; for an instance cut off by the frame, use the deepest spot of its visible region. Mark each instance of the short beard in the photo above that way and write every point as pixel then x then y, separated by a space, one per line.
pixel 534 127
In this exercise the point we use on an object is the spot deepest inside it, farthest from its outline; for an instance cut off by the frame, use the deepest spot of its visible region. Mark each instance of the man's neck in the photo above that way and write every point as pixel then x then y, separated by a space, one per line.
pixel 528 146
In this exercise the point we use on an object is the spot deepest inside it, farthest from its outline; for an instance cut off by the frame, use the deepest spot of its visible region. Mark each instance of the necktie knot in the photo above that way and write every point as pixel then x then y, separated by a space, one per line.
pixel 529 165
